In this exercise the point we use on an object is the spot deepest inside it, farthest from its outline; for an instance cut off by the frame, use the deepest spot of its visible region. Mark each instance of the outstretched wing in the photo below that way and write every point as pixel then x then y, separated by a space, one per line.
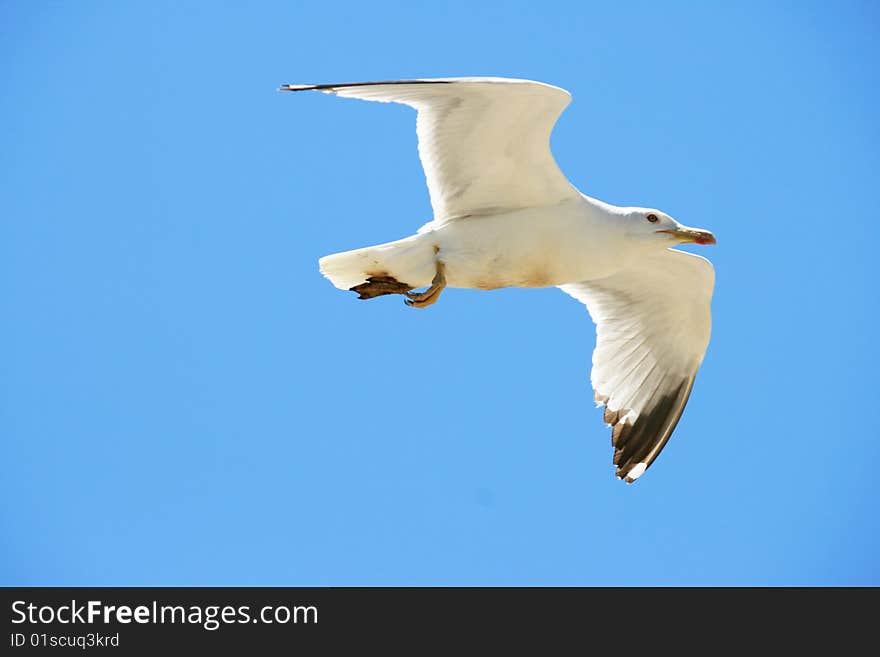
pixel 484 142
pixel 652 327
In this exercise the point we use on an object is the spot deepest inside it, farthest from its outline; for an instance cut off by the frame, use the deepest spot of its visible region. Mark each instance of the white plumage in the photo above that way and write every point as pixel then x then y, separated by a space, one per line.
pixel 504 215
pixel 652 328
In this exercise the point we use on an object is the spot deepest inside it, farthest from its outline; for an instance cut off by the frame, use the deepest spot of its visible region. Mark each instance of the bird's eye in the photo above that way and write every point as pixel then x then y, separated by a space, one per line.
pixel 652 218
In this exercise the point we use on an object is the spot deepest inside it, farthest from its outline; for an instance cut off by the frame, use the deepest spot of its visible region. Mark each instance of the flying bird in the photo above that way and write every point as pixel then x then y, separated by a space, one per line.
pixel 506 216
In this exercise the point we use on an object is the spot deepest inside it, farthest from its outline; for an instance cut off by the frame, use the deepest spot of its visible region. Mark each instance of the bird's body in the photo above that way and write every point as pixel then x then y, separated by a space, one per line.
pixel 532 247
pixel 505 216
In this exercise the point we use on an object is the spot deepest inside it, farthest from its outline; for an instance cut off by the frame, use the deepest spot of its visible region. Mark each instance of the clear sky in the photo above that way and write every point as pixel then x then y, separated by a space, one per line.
pixel 185 400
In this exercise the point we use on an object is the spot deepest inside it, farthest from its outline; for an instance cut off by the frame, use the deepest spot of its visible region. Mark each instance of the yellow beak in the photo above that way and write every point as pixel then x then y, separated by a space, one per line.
pixel 691 235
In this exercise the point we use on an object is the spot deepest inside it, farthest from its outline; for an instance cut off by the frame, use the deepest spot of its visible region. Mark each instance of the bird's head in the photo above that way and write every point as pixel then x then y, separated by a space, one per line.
pixel 662 229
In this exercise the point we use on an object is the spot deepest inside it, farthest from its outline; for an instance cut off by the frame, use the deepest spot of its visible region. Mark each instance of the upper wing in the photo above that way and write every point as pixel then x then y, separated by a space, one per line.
pixel 652 327
pixel 484 142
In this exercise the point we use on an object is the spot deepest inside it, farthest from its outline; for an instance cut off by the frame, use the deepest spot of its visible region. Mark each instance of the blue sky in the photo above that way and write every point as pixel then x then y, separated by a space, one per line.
pixel 184 400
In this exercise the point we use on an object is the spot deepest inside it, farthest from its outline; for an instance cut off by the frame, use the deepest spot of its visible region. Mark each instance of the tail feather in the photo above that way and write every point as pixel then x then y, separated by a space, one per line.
pixel 409 261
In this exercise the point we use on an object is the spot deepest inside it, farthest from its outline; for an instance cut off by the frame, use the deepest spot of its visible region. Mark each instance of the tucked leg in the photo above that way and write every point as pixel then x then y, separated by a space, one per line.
pixel 429 296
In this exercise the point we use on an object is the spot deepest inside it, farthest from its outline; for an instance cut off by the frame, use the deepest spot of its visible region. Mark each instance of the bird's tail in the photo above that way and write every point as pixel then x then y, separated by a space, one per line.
pixel 409 261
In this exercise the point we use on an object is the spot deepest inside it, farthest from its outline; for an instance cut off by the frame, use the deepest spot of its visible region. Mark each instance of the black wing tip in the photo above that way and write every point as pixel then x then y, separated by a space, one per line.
pixel 342 85
pixel 638 444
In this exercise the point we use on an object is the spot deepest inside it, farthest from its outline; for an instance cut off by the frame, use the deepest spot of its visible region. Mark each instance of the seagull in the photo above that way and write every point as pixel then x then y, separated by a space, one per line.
pixel 506 216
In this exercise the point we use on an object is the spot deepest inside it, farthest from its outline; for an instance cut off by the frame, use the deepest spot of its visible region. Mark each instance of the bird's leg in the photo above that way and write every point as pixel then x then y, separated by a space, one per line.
pixel 429 296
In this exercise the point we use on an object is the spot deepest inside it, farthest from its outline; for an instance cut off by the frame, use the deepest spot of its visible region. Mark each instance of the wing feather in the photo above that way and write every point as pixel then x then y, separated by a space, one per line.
pixel 662 306
pixel 484 143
